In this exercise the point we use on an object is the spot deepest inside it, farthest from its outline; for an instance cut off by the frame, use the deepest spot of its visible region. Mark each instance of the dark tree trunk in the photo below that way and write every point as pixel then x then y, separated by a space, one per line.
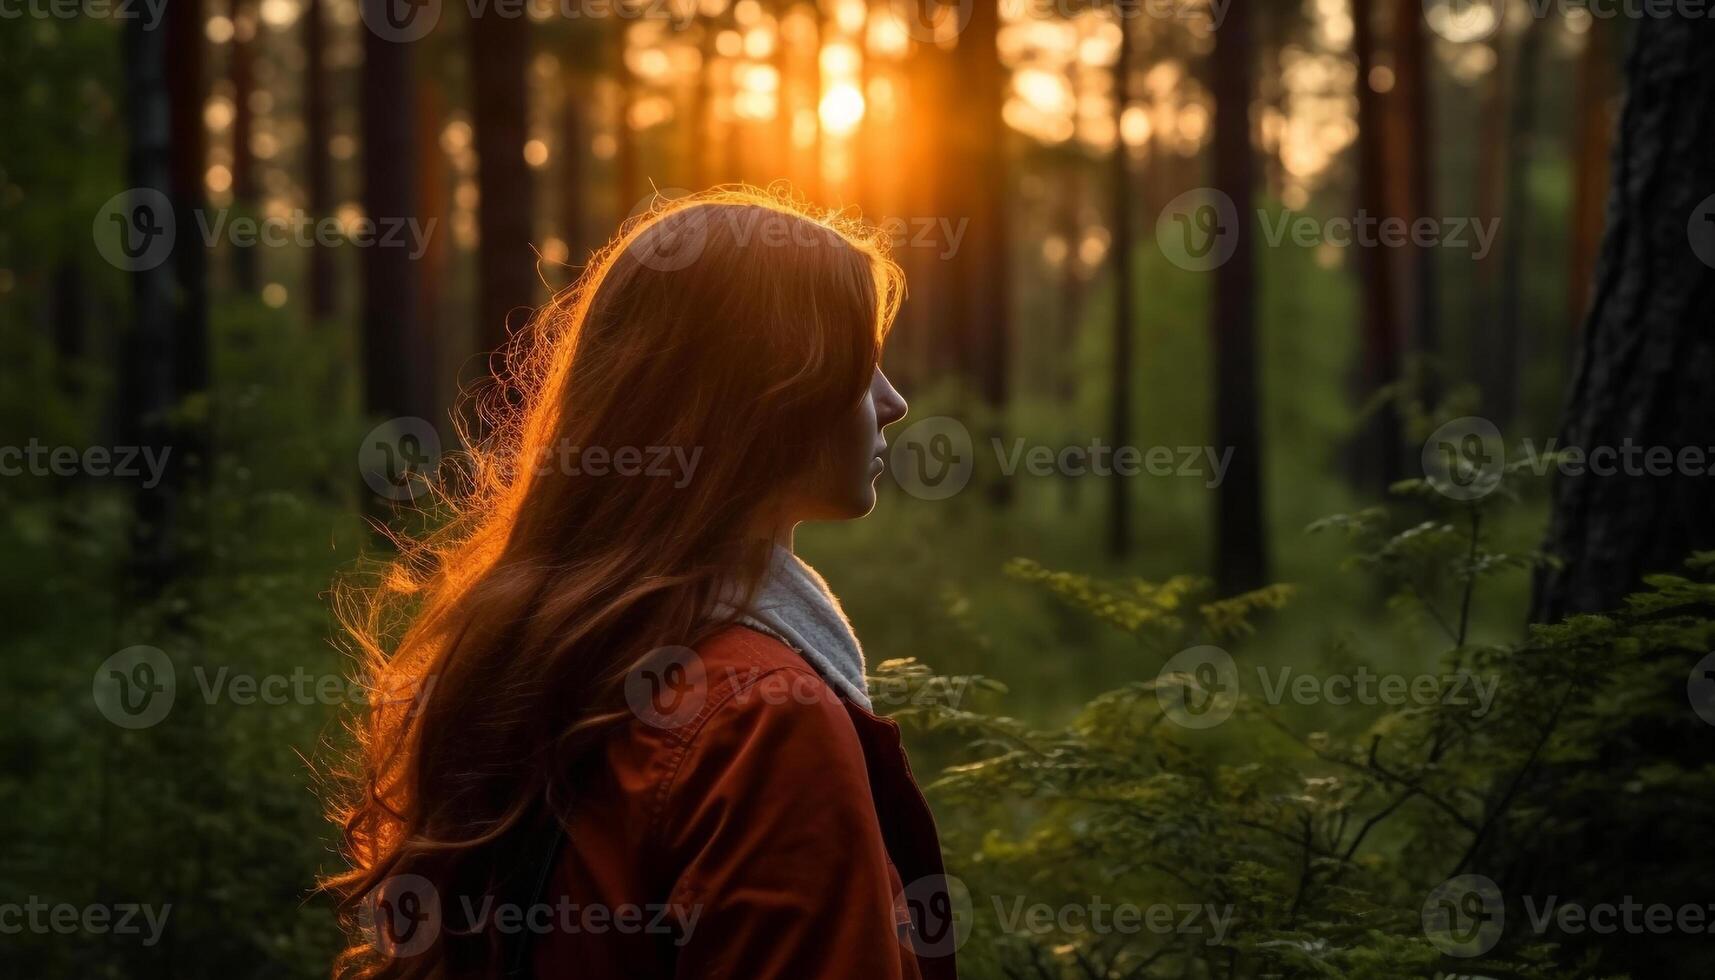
pixel 389 192
pixel 627 177
pixel 189 160
pixel 1592 139
pixel 318 172
pixel 1648 354
pixel 1378 456
pixel 573 178
pixel 149 352
pixel 980 175
pixel 1417 197
pixel 243 71
pixel 421 359
pixel 1241 539
pixel 506 264
pixel 1119 379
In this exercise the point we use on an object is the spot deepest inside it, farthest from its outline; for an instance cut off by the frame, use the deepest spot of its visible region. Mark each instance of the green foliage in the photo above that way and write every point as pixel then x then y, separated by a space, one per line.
pixel 1322 844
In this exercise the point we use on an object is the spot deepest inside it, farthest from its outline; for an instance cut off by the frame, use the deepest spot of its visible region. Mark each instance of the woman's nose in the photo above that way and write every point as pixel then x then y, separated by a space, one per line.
pixel 891 407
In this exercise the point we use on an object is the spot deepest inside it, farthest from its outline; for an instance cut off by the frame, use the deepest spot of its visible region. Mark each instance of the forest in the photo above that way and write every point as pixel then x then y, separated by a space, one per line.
pixel 1298 559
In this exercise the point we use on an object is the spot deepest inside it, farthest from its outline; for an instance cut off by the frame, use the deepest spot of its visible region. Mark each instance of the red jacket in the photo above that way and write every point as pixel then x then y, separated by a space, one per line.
pixel 752 824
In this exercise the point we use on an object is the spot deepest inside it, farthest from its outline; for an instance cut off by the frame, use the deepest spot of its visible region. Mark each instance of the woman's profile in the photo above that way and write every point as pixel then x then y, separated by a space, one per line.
pixel 620 729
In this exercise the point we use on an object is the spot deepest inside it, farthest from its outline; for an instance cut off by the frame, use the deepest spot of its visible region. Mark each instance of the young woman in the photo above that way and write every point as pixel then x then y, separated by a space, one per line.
pixel 620 730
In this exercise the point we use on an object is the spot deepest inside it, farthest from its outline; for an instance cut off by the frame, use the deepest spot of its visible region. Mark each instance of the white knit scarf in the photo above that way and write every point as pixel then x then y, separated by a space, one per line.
pixel 793 605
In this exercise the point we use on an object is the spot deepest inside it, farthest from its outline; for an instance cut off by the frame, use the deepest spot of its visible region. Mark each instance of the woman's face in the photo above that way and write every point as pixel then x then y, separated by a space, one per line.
pixel 844 486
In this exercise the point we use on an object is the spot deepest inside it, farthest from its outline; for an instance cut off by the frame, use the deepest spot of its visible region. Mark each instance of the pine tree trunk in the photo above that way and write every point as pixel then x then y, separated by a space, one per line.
pixel 242 69
pixel 1648 353
pixel 1378 460
pixel 148 386
pixel 389 193
pixel 318 170
pixel 506 265
pixel 1119 380
pixel 1241 540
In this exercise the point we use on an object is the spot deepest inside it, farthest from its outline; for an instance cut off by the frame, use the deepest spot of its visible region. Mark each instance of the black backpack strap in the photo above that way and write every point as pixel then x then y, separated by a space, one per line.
pixel 538 855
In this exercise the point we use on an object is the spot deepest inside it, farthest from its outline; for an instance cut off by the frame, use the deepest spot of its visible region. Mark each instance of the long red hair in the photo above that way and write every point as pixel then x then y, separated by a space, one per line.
pixel 734 325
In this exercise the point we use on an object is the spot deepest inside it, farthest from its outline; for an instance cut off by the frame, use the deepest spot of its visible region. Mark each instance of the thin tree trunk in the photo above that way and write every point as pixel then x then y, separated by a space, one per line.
pixel 189 153
pixel 243 71
pixel 318 171
pixel 1648 354
pixel 1119 379
pixel 1378 449
pixel 1417 152
pixel 1241 538
pixel 1592 139
pixel 148 383
pixel 389 191
pixel 506 265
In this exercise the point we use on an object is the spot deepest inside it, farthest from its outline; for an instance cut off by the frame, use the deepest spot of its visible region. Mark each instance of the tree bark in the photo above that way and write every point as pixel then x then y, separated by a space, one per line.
pixel 1378 460
pixel 1241 539
pixel 148 382
pixel 506 264
pixel 389 192
pixel 1119 381
pixel 318 171
pixel 242 69
pixel 1648 354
